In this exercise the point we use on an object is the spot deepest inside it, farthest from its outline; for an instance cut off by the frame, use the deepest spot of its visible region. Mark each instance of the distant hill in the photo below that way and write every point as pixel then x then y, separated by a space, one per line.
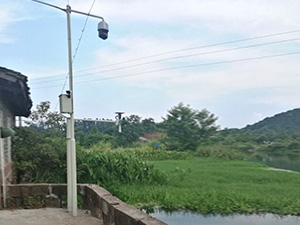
pixel 283 123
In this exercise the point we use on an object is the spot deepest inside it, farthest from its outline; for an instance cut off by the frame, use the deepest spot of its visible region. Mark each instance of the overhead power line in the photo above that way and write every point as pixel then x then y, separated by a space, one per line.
pixel 182 50
pixel 77 48
pixel 177 57
pixel 182 67
pixel 79 40
pixel 82 31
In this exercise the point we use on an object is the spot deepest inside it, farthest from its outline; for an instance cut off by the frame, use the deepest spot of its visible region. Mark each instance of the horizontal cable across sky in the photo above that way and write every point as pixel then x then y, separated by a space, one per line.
pixel 181 50
pixel 85 73
pixel 182 67
pixel 174 58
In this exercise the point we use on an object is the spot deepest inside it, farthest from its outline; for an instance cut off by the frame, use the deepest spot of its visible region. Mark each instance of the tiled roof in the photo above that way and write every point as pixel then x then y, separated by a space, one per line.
pixel 14 92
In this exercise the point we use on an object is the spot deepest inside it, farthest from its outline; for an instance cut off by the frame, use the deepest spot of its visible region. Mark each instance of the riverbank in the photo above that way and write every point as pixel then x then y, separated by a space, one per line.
pixel 213 186
pixel 190 218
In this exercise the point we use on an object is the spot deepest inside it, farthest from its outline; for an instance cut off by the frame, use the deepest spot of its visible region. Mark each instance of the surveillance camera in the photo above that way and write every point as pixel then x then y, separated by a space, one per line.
pixel 103 30
pixel 68 94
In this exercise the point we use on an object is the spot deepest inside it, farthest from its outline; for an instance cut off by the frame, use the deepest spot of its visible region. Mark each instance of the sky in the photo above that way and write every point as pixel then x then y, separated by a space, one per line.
pixel 239 59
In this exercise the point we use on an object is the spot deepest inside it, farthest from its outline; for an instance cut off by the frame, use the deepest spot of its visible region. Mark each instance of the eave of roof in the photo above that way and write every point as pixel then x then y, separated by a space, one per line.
pixel 14 92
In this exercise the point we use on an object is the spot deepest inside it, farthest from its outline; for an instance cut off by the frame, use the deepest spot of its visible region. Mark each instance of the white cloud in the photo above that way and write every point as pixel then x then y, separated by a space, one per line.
pixel 280 97
pixel 180 24
pixel 11 12
pixel 257 116
pixel 234 78
pixel 243 16
pixel 138 48
pixel 200 82
pixel 5 20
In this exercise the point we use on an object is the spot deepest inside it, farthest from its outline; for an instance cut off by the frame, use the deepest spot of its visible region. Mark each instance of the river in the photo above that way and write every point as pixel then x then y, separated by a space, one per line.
pixel 281 162
pixel 190 218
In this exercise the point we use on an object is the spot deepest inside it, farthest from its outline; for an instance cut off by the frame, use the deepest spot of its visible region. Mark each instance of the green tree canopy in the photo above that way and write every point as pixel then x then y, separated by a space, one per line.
pixel 39 156
pixel 42 118
pixel 149 125
pixel 186 128
pixel 131 131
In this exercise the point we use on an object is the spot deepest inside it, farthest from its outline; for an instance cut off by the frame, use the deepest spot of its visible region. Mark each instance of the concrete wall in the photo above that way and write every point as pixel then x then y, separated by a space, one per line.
pixel 99 201
pixel 7 119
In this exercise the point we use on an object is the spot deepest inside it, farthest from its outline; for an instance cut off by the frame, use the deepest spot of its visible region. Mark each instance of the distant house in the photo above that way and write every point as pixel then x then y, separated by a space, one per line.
pixel 14 101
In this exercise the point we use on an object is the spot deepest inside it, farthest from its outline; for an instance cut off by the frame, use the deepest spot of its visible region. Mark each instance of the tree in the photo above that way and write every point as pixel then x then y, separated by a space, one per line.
pixel 93 137
pixel 87 126
pixel 131 131
pixel 186 128
pixel 149 125
pixel 42 118
pixel 38 157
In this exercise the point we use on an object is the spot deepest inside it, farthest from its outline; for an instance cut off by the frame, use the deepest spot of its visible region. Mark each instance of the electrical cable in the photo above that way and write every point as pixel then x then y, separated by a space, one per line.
pixel 182 50
pixel 183 67
pixel 77 47
pixel 82 31
pixel 199 47
pixel 62 90
pixel 177 57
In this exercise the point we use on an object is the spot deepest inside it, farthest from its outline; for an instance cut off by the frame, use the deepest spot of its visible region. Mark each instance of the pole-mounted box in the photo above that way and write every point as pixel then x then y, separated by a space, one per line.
pixel 65 103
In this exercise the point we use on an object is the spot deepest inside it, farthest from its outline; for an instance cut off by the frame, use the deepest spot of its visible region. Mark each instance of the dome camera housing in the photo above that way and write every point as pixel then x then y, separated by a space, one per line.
pixel 103 30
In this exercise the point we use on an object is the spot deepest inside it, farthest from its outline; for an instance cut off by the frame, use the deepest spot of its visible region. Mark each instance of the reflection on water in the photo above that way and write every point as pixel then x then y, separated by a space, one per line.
pixel 282 162
pixel 188 218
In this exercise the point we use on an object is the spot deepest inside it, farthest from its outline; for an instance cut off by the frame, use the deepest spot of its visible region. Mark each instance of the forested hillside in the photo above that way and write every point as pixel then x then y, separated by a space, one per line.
pixel 284 123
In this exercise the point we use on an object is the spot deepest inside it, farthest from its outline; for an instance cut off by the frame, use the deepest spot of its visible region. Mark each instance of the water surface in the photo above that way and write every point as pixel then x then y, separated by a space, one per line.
pixel 281 162
pixel 189 218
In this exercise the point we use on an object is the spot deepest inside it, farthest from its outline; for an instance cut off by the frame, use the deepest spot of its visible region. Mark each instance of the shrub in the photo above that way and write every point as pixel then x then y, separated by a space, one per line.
pixel 38 158
pixel 157 155
pixel 150 153
pixel 110 168
pixel 219 151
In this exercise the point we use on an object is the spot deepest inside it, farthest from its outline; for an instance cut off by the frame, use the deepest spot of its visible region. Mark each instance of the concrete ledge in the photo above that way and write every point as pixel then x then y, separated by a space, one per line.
pixel 99 201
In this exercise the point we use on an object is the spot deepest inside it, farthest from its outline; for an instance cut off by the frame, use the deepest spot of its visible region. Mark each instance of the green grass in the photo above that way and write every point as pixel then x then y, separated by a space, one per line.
pixel 211 186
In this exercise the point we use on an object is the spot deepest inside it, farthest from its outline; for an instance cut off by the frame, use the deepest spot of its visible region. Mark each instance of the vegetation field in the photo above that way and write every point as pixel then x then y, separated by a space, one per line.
pixel 211 186
pixel 190 164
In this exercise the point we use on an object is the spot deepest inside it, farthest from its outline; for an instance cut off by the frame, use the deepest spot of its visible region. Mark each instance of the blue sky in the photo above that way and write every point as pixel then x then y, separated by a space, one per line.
pixel 33 41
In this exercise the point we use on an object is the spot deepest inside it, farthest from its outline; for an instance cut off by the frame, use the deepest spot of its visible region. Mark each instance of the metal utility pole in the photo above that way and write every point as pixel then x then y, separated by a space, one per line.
pixel 119 119
pixel 71 143
pixel 20 121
